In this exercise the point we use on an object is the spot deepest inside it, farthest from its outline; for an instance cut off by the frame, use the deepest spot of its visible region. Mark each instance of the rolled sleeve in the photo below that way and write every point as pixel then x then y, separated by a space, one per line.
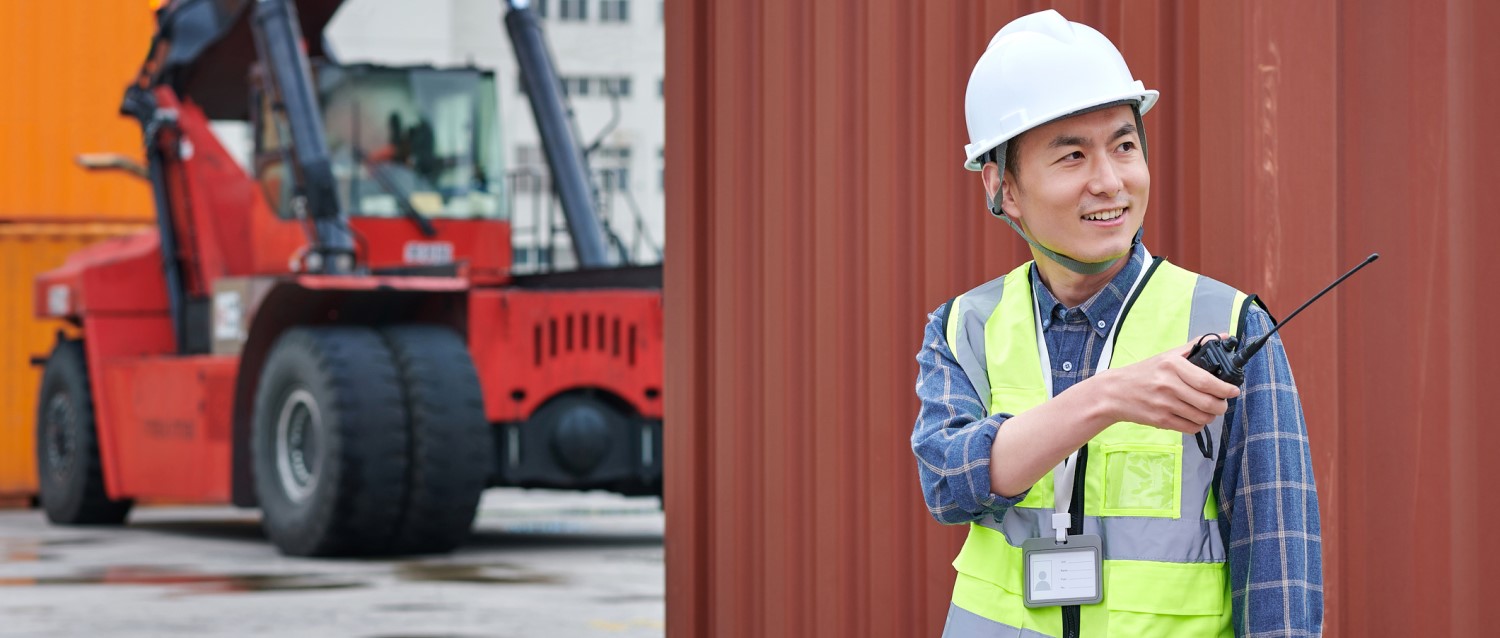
pixel 952 437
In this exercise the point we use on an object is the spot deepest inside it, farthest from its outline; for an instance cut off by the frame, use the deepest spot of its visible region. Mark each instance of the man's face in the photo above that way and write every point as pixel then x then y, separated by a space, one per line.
pixel 1083 184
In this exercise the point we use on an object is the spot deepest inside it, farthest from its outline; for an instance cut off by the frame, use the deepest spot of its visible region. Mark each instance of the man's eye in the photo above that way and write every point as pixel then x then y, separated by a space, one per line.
pixel 1127 147
pixel 1075 155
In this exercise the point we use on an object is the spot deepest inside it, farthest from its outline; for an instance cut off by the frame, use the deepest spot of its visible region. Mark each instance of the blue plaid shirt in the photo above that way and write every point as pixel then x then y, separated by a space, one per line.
pixel 1267 499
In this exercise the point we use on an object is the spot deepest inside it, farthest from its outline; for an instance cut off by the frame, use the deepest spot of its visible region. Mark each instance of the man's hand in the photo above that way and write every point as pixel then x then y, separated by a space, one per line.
pixel 1165 391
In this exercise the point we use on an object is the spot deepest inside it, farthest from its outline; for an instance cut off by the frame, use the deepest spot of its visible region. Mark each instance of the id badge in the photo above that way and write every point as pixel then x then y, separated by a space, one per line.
pixel 1067 574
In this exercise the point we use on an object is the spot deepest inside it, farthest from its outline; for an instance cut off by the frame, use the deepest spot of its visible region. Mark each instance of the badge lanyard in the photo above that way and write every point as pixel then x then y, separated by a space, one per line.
pixel 1063 474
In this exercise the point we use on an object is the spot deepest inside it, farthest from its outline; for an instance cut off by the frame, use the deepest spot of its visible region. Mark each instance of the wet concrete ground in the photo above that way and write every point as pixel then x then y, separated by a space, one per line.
pixel 540 564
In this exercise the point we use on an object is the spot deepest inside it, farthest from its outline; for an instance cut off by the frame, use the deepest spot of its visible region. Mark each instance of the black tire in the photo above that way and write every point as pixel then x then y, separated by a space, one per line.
pixel 329 442
pixel 69 473
pixel 451 450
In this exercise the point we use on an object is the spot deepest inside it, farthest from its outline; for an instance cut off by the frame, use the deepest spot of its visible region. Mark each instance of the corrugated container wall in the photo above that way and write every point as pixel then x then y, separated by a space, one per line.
pixel 817 211
pixel 25 250
pixel 66 64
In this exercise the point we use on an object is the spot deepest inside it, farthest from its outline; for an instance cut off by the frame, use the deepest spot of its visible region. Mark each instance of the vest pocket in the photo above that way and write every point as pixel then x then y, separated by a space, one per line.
pixel 1142 479
pixel 1157 599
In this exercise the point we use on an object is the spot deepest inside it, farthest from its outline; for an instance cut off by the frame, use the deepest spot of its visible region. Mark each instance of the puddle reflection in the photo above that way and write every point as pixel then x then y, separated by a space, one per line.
pixel 191 581
pixel 483 573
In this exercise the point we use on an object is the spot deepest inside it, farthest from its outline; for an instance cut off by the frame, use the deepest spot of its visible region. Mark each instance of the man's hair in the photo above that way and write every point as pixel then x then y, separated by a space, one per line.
pixel 1012 157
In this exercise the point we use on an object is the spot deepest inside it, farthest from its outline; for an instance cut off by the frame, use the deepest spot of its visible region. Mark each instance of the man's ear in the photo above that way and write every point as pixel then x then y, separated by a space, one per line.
pixel 1004 183
pixel 990 173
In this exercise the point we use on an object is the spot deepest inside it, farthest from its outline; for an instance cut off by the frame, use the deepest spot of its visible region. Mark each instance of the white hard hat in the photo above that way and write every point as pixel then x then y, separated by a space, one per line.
pixel 1041 67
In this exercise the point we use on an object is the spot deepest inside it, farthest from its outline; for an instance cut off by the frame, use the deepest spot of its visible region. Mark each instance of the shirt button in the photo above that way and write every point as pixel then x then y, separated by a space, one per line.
pixel 1067 366
pixel 1101 324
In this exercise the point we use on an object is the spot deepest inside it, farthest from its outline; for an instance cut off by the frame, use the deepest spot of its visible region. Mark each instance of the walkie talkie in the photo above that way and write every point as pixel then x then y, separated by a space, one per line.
pixel 1226 360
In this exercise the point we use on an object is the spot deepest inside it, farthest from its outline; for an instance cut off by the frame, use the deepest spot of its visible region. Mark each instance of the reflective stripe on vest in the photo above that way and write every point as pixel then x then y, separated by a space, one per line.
pixel 962 622
pixel 1148 491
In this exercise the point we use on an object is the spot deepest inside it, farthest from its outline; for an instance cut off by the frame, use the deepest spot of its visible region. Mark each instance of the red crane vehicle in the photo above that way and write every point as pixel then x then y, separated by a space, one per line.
pixel 335 336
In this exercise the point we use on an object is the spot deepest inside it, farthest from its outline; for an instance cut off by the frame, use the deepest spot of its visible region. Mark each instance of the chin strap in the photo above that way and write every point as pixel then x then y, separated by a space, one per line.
pixel 1080 267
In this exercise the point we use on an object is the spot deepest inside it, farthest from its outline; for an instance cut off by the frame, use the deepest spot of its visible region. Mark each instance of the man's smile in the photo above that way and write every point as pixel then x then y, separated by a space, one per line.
pixel 1107 217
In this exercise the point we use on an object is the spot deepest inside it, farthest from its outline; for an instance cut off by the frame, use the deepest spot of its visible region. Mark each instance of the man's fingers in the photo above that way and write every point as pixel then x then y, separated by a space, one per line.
pixel 1200 380
pixel 1205 393
pixel 1201 401
pixel 1186 426
pixel 1193 417
pixel 1210 405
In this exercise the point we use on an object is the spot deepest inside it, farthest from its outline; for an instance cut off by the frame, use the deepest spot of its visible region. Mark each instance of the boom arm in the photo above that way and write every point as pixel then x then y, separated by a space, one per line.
pixel 278 41
pixel 569 173
pixel 203 50
pixel 141 104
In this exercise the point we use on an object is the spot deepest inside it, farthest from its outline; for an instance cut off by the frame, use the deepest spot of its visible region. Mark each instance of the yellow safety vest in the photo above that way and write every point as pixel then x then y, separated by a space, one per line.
pixel 1147 491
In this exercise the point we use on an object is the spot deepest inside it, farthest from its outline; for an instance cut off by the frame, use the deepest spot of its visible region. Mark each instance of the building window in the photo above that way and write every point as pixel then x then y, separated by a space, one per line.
pixel 573 10
pixel 577 86
pixel 532 258
pixel 613 154
pixel 530 170
pixel 584 86
pixel 528 156
pixel 661 88
pixel 615 179
pixel 612 164
pixel 618 87
pixel 661 173
pixel 614 10
pixel 539 8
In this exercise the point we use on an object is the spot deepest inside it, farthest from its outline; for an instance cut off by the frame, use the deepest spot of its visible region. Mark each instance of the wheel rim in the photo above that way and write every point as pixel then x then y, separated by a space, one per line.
pixel 57 433
pixel 298 429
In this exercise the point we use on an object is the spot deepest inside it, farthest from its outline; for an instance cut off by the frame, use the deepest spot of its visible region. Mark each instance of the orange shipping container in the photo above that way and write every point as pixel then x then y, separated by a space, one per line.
pixel 69 62
pixel 25 250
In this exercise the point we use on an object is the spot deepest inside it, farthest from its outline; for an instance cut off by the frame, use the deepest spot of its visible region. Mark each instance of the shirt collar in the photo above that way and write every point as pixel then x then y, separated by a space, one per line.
pixel 1100 310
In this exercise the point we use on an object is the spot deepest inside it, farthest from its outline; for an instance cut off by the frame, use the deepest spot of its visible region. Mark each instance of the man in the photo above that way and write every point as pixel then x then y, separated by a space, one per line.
pixel 1060 416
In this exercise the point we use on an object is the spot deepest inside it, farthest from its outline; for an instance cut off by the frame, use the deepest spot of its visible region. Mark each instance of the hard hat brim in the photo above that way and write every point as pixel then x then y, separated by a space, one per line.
pixel 1145 99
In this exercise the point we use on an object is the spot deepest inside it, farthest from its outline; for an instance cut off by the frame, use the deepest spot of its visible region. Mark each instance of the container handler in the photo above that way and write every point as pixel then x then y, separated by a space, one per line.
pixel 335 336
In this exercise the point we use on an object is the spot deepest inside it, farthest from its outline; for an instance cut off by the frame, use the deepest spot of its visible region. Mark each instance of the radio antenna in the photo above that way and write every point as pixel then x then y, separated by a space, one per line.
pixel 1253 347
